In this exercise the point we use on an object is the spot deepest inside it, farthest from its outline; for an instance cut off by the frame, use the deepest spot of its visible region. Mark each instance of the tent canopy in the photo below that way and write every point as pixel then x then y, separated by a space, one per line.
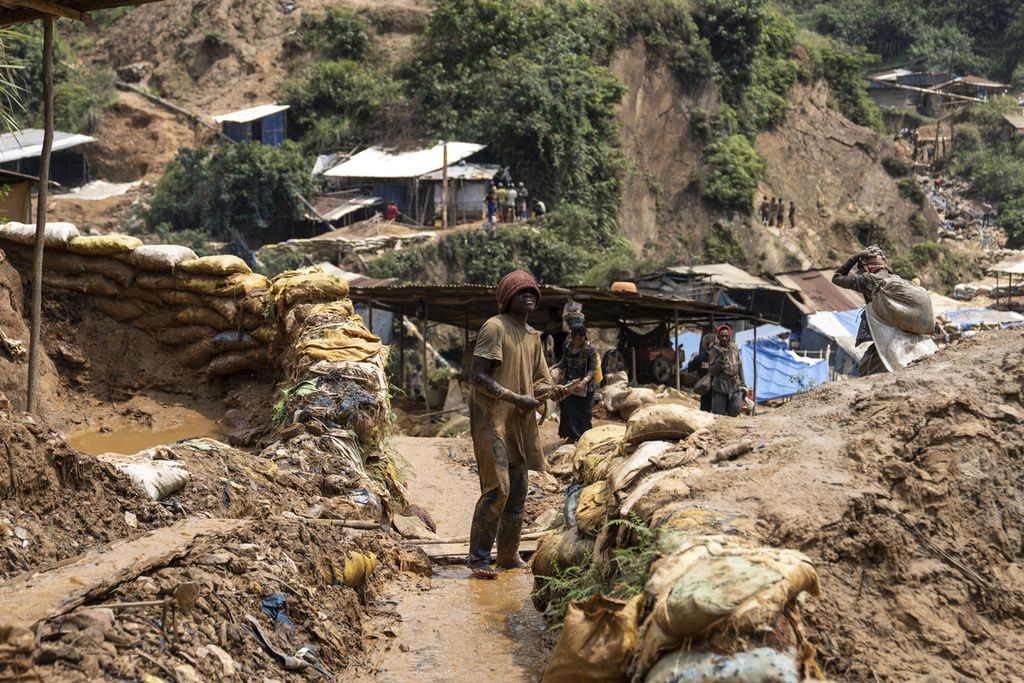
pixel 781 372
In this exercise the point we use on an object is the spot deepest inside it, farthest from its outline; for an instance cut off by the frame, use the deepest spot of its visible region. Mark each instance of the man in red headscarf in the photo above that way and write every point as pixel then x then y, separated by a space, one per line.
pixel 726 370
pixel 509 379
pixel 872 270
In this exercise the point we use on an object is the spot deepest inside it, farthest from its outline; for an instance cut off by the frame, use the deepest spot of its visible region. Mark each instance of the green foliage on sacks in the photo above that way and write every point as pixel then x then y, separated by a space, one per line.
pixel 247 187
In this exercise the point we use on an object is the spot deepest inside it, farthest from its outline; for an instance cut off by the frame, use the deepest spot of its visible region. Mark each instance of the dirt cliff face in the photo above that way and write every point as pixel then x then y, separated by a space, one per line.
pixel 228 54
pixel 828 165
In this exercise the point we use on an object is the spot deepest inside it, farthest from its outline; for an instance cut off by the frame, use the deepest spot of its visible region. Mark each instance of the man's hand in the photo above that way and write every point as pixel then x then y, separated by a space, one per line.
pixel 558 393
pixel 525 403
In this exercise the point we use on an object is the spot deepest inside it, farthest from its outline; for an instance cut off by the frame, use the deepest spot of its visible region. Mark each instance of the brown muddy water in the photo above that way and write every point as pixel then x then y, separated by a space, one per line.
pixel 464 630
pixel 132 439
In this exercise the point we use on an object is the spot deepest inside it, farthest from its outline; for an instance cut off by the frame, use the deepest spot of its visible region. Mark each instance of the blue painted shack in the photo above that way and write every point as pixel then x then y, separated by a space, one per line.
pixel 265 123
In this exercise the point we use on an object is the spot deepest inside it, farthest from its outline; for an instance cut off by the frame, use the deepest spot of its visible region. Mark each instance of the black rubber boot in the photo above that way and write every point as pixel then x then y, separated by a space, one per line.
pixel 510 528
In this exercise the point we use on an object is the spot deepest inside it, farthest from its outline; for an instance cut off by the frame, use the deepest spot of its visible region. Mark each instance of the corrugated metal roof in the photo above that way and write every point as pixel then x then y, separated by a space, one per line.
pixel 470 305
pixel 28 143
pixel 346 207
pixel 12 13
pixel 251 114
pixel 1011 266
pixel 818 292
pixel 727 276
pixel 465 172
pixel 376 162
pixel 1015 120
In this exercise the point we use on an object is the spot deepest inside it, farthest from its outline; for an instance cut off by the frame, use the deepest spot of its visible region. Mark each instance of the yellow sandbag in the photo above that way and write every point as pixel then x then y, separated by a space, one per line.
pixel 668 489
pixel 717 583
pixel 597 641
pixel 86 283
pixel 264 334
pixel 599 464
pixel 339 309
pixel 121 310
pixel 198 354
pixel 186 334
pixel 103 245
pixel 556 551
pixel 74 264
pixel 308 285
pixel 180 297
pixel 676 523
pixel 225 307
pixel 665 421
pixel 358 567
pixel 155 321
pixel 599 436
pixel 344 341
pixel 223 264
pixel 592 508
pixel 635 400
pixel 233 285
pixel 198 315
pixel 238 361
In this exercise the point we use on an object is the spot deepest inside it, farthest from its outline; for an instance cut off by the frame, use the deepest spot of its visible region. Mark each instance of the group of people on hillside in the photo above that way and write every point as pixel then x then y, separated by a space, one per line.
pixel 773 212
pixel 509 202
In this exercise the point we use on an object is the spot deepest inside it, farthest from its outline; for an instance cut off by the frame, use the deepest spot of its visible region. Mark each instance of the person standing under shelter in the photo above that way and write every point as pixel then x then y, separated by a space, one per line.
pixel 509 379
pixel 726 370
pixel 511 198
pixel 872 270
pixel 699 364
pixel 523 199
pixel 579 362
pixel 502 198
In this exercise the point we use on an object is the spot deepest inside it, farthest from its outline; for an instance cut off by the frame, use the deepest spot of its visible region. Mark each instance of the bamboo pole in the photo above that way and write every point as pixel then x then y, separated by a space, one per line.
pixel 425 375
pixel 444 189
pixel 35 341
pixel 675 343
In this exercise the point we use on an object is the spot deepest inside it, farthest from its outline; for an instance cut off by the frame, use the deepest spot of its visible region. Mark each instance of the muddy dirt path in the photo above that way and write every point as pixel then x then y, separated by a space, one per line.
pixel 453 628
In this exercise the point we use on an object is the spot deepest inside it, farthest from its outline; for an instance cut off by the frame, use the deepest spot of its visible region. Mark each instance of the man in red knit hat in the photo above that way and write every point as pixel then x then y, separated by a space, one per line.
pixel 509 380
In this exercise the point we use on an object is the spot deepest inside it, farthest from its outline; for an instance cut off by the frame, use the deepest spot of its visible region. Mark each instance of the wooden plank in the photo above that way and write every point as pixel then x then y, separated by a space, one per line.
pixel 50 8
pixel 27 600
pixel 456 551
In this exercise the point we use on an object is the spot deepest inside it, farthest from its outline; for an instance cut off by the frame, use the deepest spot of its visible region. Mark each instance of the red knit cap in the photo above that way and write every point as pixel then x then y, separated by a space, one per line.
pixel 718 330
pixel 512 284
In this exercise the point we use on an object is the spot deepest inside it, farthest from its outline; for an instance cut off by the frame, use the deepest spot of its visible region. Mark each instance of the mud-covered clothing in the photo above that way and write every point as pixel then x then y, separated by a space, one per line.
pixel 516 351
pixel 726 372
pixel 865 283
pixel 506 441
pixel 725 368
pixel 577 410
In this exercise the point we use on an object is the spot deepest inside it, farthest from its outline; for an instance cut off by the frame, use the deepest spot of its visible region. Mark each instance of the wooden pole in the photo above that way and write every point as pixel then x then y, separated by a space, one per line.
pixel 35 341
pixel 753 411
pixel 632 357
pixel 425 376
pixel 401 350
pixel 675 343
pixel 444 189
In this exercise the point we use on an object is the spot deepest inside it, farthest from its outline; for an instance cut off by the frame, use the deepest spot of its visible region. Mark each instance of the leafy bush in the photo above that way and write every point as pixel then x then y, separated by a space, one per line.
pixel 966 139
pixel 949 267
pixel 82 98
pixel 670 32
pixel 722 246
pixel 896 167
pixel 732 170
pixel 339 33
pixel 248 187
pixel 843 67
pixel 911 189
pixel 341 103
pixel 1011 219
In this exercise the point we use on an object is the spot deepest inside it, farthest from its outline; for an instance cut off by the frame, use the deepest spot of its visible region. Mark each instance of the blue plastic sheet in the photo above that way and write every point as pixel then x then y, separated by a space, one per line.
pixel 780 372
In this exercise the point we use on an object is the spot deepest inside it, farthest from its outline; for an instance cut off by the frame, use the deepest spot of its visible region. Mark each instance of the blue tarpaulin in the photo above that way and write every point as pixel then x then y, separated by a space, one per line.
pixel 690 341
pixel 781 372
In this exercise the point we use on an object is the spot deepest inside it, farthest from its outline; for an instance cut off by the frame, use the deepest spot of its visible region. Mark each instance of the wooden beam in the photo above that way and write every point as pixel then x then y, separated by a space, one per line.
pixel 49 8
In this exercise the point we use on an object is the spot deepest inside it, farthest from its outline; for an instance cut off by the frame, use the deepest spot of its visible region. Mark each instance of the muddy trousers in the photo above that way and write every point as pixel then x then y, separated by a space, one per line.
pixel 727 404
pixel 499 513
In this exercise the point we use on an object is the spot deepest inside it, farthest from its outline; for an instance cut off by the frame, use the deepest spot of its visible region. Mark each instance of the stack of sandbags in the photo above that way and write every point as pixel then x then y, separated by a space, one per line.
pixel 211 308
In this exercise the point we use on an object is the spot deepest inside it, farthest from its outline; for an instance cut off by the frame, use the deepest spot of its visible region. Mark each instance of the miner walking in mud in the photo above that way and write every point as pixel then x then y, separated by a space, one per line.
pixel 510 378
pixel 872 269
pixel 726 371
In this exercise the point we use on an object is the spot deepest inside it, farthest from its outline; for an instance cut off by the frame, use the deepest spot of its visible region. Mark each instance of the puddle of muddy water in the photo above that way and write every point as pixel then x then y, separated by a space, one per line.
pixel 466 630
pixel 130 440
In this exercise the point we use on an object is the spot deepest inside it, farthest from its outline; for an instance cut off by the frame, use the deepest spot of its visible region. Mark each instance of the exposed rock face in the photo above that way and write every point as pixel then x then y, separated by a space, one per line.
pixel 816 157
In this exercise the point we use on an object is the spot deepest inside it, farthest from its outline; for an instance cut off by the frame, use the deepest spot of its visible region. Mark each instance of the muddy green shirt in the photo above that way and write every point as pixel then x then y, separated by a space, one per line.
pixel 516 350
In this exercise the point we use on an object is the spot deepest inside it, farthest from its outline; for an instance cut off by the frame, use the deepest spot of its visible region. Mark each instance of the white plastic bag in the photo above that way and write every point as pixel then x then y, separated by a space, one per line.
pixel 54 234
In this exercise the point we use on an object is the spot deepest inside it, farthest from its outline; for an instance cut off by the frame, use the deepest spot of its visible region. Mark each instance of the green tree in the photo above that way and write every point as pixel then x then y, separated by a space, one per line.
pixel 732 169
pixel 339 33
pixel 248 187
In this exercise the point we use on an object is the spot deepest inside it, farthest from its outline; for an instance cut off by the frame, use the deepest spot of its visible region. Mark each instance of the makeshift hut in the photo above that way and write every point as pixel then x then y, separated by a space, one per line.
pixel 265 123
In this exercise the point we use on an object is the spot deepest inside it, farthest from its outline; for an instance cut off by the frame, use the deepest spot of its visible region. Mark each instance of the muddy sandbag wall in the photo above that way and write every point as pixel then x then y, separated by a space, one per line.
pixel 333 410
pixel 715 604
pixel 209 310
pixel 217 315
